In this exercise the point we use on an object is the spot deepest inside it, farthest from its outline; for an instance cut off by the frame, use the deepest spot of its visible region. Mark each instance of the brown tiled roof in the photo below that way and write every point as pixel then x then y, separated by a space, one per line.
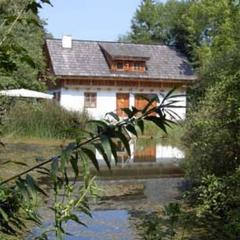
pixel 86 58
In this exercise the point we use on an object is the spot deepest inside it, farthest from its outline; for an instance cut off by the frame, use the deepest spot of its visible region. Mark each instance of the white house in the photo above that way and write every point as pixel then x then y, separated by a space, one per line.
pixel 106 76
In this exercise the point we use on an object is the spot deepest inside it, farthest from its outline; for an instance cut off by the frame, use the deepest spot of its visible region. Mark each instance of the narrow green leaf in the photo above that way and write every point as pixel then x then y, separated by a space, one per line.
pixel 150 102
pixel 74 164
pixel 44 169
pixel 34 185
pixel 140 124
pixel 177 95
pixel 170 103
pixel 91 155
pixel 168 94
pixel 113 149
pixel 54 167
pixel 42 172
pixel 124 140
pixel 4 215
pixel 74 218
pixel 114 115
pixel 66 180
pixel 173 114
pixel 101 150
pixel 132 129
pixel 85 209
pixel 6 162
pixel 19 163
pixel 128 112
pixel 158 121
pixel 134 110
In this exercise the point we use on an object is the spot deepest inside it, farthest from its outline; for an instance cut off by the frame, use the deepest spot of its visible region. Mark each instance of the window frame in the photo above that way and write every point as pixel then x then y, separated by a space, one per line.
pixel 90 99
pixel 120 68
pixel 137 66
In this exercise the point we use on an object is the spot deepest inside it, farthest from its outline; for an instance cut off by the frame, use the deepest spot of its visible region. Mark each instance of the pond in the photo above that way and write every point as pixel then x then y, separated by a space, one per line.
pixel 104 224
pixel 142 183
pixel 116 216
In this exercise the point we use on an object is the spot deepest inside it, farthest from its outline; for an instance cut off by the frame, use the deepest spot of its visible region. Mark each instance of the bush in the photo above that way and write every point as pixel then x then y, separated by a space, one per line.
pixel 212 137
pixel 217 205
pixel 44 119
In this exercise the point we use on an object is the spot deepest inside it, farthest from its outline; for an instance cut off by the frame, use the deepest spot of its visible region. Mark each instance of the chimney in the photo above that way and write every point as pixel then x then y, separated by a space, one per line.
pixel 67 41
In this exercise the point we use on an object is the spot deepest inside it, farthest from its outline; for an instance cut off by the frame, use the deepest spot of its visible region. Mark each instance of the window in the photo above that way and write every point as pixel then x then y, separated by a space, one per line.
pixel 136 66
pixel 119 66
pixel 129 66
pixel 90 99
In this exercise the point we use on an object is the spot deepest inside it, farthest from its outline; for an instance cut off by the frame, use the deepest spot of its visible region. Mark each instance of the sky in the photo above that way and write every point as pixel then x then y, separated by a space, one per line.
pixel 89 19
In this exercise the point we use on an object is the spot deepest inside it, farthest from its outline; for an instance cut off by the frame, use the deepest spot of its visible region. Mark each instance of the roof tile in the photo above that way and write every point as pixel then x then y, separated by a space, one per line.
pixel 86 58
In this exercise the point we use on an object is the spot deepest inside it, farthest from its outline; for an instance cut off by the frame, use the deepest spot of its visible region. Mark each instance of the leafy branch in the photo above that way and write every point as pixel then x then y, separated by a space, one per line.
pixel 75 156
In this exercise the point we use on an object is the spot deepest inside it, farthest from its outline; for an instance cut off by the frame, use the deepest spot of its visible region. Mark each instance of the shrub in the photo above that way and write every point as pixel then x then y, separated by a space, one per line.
pixel 216 203
pixel 212 137
pixel 43 119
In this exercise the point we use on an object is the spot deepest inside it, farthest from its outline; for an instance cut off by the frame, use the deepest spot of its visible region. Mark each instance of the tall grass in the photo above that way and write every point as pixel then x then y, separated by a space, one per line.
pixel 44 119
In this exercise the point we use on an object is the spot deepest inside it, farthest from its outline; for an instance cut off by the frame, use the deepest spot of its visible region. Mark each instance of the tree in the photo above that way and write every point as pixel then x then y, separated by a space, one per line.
pixel 156 22
pixel 145 23
pixel 213 130
pixel 212 135
pixel 214 37
pixel 22 36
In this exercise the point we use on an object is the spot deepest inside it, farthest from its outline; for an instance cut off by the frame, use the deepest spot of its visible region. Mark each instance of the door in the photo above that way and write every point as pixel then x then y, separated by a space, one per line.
pixel 122 102
pixel 141 102
pixel 146 154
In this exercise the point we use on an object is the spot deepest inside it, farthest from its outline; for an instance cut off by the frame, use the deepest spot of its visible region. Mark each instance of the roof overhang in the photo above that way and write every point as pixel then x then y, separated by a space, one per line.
pixel 130 78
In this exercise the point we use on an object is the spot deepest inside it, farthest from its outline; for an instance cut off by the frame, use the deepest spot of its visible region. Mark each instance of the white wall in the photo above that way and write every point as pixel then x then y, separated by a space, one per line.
pixel 106 102
pixel 167 153
pixel 164 155
pixel 73 100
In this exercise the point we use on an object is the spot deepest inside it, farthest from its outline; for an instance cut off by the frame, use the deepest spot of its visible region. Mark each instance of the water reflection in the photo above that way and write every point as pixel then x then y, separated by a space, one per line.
pixel 148 151
pixel 104 225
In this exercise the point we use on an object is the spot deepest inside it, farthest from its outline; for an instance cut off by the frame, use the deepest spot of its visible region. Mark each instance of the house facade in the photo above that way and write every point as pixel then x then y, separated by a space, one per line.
pixel 100 77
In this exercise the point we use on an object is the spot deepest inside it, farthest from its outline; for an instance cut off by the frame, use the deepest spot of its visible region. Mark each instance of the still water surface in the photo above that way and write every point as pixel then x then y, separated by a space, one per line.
pixel 156 168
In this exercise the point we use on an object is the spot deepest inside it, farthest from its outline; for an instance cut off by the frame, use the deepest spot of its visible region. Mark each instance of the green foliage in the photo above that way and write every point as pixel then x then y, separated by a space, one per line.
pixel 18 202
pixel 214 36
pixel 163 226
pixel 74 159
pixel 21 43
pixel 212 135
pixel 44 119
pixel 156 22
pixel 212 130
pixel 208 32
pixel 216 205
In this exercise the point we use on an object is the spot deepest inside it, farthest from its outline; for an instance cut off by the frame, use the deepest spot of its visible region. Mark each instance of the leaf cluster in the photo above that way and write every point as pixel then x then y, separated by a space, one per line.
pixel 21 42
pixel 75 157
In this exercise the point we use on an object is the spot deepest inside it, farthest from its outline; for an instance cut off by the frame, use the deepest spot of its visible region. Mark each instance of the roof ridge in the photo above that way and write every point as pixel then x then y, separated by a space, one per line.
pixel 105 41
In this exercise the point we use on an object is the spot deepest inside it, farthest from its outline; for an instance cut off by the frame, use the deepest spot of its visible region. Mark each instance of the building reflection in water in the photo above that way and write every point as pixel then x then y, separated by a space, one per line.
pixel 149 152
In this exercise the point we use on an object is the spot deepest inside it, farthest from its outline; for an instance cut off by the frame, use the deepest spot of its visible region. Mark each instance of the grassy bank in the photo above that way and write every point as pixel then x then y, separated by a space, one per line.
pixel 26 150
pixel 44 119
